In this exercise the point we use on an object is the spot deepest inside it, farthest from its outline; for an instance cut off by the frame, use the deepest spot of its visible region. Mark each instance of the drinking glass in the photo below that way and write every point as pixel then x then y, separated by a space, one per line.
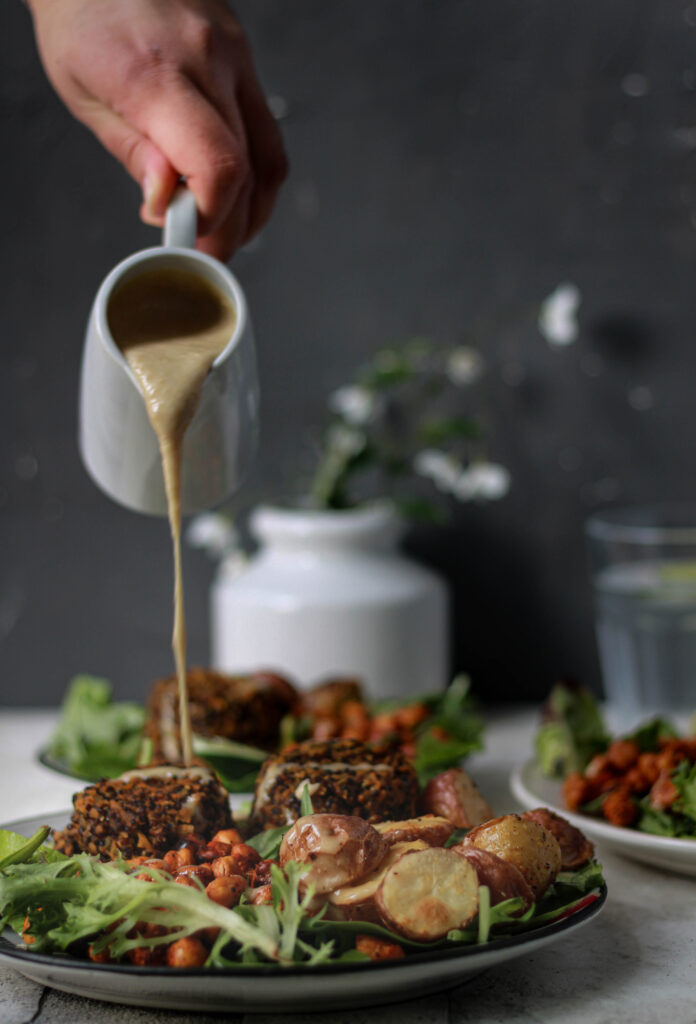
pixel 643 571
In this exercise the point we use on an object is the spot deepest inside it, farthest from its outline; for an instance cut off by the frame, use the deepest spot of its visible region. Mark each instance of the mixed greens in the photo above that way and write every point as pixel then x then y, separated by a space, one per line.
pixel 644 779
pixel 679 820
pixel 571 733
pixel 73 901
pixel 97 737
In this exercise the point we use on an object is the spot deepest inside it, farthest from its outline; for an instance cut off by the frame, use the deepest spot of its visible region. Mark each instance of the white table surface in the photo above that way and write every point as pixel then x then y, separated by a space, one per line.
pixel 633 965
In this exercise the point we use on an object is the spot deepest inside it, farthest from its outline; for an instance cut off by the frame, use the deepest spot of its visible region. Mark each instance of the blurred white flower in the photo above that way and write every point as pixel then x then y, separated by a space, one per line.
pixel 345 441
pixel 558 315
pixel 213 533
pixel 356 405
pixel 464 366
pixel 486 481
pixel 443 469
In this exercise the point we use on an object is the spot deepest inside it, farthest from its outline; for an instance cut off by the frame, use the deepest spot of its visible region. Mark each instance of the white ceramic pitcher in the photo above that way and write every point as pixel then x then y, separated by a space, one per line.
pixel 117 443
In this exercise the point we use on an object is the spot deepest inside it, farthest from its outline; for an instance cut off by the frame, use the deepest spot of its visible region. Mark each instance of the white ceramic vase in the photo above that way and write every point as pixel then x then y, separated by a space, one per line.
pixel 330 593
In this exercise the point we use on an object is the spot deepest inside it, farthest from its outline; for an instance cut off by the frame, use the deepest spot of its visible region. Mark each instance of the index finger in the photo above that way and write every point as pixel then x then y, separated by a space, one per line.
pixel 199 144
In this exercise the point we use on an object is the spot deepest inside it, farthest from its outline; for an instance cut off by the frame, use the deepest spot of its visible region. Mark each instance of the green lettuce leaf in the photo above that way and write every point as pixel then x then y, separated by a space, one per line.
pixel 77 899
pixel 96 737
pixel 237 764
pixel 454 713
pixel 572 732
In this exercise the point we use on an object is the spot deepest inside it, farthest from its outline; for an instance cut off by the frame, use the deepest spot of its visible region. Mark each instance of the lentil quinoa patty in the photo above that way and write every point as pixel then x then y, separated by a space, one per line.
pixel 145 815
pixel 344 776
pixel 247 709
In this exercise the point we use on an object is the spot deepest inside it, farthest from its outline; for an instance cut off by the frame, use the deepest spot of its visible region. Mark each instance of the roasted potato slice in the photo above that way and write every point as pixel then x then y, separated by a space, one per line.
pixel 338 849
pixel 357 902
pixel 433 830
pixel 526 844
pixel 504 880
pixel 454 796
pixel 576 848
pixel 427 893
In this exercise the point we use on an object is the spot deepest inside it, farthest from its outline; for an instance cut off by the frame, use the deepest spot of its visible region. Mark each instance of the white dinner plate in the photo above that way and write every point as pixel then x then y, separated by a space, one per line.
pixel 271 988
pixel 533 789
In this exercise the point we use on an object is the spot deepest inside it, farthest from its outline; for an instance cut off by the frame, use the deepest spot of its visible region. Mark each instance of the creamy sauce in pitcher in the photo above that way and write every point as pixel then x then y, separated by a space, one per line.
pixel 171 325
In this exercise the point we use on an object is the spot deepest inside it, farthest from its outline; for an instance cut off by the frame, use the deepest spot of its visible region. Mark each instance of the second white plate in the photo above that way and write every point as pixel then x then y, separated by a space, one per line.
pixel 533 789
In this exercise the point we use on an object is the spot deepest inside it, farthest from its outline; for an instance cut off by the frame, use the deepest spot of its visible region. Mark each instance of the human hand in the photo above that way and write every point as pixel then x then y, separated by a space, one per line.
pixel 169 88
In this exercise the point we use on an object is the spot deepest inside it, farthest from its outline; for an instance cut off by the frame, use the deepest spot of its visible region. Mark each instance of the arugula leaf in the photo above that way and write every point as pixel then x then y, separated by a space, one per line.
pixel 95 736
pixel 267 844
pixel 572 732
pixel 306 806
pixel 16 849
pixel 453 714
pixel 585 879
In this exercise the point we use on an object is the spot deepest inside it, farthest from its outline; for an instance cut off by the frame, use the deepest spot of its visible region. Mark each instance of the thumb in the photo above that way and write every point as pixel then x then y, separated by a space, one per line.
pixel 141 158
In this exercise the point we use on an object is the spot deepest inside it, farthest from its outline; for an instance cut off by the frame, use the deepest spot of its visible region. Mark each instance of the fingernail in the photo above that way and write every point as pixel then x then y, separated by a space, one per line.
pixel 151 191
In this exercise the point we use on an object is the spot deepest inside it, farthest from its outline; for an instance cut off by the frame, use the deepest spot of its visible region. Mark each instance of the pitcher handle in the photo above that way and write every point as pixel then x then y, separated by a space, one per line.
pixel 181 221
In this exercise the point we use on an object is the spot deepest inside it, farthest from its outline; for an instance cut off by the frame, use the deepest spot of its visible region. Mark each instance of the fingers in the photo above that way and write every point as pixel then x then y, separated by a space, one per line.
pixel 165 115
pixel 237 95
pixel 232 233
pixel 198 143
pixel 141 158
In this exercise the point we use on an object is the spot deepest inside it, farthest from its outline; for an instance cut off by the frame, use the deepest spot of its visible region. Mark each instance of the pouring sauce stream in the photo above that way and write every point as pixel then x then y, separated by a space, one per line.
pixel 171 325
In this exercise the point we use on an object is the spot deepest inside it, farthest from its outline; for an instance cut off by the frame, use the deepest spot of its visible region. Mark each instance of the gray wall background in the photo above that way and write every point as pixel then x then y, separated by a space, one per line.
pixel 449 159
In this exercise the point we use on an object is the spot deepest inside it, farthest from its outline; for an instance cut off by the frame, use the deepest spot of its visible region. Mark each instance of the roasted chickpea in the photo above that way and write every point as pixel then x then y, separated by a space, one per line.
pixel 354 712
pixel 224 866
pixel 378 949
pixel 245 857
pixel 411 716
pixel 202 872
pixel 227 891
pixel 187 880
pixel 262 895
pixel 187 952
pixel 359 731
pixel 103 957
pixel 143 957
pixel 174 860
pixel 227 835
pixel 261 875
pixel 384 723
pixel 213 850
